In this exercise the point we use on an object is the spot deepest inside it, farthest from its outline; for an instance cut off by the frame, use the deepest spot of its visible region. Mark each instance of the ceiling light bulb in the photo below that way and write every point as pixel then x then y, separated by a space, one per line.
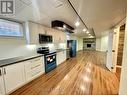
pixel 84 29
pixel 92 36
pixel 87 32
pixel 64 26
pixel 77 24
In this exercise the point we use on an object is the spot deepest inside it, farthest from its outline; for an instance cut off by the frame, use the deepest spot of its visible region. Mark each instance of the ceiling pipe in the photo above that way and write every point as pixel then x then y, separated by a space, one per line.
pixel 80 17
pixel 77 14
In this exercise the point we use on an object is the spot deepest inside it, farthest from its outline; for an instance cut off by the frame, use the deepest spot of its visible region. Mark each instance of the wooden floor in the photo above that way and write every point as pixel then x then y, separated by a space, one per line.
pixel 118 72
pixel 84 75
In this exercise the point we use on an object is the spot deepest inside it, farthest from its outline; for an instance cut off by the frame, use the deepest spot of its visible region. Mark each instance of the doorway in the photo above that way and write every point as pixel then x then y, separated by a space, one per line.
pixel 120 50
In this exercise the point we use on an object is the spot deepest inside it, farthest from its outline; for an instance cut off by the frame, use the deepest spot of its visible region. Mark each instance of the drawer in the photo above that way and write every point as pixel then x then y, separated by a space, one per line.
pixel 34 73
pixel 34 63
pixel 36 60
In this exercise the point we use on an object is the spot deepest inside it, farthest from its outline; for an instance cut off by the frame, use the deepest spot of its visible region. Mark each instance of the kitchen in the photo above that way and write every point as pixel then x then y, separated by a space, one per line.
pixel 30 60
pixel 48 47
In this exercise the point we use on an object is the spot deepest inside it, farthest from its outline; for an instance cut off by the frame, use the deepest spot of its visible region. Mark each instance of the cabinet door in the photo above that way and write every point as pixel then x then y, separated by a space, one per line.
pixel 58 58
pixel 13 76
pixel 2 87
pixel 34 68
pixel 33 31
pixel 61 57
pixel 63 54
pixel 62 37
pixel 41 29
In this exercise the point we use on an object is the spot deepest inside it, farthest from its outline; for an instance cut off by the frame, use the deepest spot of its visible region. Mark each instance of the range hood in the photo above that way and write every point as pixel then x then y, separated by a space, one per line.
pixel 62 26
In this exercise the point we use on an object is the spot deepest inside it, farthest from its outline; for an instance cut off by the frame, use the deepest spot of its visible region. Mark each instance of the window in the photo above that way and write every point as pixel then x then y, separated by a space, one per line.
pixel 10 28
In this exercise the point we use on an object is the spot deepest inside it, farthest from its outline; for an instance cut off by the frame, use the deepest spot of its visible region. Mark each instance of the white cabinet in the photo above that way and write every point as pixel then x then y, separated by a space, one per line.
pixel 33 33
pixel 62 37
pixel 58 36
pixel 13 76
pixel 41 29
pixel 33 30
pixel 61 57
pixel 16 75
pixel 2 87
pixel 34 68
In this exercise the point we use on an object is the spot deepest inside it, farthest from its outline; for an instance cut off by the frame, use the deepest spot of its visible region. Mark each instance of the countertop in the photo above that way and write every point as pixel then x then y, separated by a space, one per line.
pixel 14 60
pixel 59 50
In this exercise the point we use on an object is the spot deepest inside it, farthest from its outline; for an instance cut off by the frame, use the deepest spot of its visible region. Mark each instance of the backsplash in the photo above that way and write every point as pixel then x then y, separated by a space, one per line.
pixel 10 51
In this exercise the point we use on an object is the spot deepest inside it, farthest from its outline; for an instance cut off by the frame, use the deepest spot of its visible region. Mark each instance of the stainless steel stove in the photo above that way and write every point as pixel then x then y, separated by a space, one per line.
pixel 50 58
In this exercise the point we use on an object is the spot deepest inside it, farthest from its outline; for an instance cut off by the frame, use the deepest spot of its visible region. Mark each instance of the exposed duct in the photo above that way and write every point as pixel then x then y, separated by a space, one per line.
pixel 62 26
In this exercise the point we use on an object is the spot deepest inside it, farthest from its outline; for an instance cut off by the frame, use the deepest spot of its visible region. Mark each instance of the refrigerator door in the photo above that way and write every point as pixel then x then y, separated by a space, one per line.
pixel 73 48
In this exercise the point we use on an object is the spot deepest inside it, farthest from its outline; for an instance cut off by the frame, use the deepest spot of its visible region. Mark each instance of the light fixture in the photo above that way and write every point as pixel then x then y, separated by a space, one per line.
pixel 64 26
pixel 84 29
pixel 82 87
pixel 91 36
pixel 77 24
pixel 87 32
pixel 31 47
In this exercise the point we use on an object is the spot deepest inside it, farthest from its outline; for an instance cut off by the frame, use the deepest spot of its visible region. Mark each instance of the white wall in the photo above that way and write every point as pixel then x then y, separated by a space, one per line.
pixel 98 44
pixel 102 43
pixel 123 81
pixel 79 42
pixel 17 46
pixel 14 47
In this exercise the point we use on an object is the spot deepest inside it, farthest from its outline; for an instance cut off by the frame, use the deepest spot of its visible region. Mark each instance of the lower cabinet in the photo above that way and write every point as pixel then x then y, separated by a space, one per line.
pixel 2 87
pixel 16 75
pixel 61 57
pixel 13 76
pixel 34 68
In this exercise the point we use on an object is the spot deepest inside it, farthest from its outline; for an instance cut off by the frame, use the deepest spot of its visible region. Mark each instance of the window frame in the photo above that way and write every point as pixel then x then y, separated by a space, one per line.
pixel 14 36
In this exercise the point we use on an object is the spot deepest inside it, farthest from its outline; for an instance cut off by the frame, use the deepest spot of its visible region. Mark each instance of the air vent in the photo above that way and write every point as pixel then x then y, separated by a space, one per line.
pixel 62 26
pixel 58 3
pixel 27 2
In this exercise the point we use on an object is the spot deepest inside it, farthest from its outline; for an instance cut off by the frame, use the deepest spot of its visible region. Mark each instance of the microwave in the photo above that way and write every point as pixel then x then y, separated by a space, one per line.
pixel 45 38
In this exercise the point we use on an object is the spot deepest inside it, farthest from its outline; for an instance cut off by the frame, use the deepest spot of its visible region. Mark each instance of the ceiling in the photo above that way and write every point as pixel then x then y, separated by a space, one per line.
pixel 98 14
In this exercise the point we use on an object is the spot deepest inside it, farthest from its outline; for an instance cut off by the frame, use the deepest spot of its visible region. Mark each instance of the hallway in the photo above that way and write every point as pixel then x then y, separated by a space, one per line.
pixel 84 75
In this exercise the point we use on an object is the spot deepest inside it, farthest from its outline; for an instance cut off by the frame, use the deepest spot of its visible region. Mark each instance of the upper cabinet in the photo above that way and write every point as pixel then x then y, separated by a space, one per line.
pixel 58 36
pixel 33 30
pixel 41 29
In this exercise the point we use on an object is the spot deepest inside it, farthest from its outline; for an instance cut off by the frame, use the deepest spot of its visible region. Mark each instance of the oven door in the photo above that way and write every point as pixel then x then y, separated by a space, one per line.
pixel 50 62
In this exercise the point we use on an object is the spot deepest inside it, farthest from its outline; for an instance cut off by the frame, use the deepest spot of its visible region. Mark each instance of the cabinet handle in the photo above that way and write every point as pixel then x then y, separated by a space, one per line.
pixel 36 60
pixel 35 66
pixel 113 50
pixel 0 73
pixel 4 71
pixel 36 73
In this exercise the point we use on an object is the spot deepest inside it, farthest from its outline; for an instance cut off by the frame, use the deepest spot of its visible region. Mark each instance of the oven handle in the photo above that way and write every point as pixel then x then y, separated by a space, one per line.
pixel 50 55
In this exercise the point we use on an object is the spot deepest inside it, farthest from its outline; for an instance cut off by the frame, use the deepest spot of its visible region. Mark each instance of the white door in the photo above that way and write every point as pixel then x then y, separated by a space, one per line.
pixel 113 39
pixel 2 89
pixel 13 76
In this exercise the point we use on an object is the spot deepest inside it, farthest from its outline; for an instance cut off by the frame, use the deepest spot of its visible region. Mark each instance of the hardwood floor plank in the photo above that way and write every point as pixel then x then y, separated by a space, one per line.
pixel 84 75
